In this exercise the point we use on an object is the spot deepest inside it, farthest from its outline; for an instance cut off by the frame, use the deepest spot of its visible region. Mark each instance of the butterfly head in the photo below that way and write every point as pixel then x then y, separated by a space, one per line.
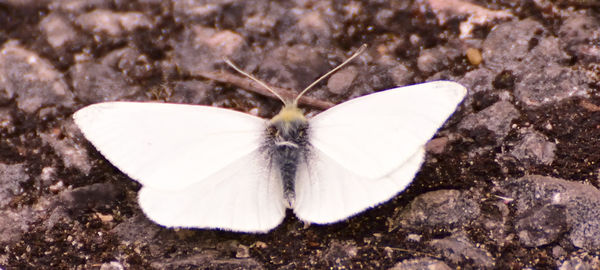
pixel 289 117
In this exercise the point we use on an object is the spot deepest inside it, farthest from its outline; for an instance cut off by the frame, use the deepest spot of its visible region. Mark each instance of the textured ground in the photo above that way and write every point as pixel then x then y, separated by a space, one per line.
pixel 510 182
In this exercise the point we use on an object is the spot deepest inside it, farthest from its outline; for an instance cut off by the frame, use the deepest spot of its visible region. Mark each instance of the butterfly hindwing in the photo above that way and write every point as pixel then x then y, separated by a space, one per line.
pixel 326 192
pixel 245 196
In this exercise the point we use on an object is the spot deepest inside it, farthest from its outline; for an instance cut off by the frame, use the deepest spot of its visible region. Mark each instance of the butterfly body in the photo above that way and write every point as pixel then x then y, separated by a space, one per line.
pixel 287 145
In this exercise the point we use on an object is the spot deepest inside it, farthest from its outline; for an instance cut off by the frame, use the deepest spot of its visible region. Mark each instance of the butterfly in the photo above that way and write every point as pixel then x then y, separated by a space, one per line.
pixel 208 167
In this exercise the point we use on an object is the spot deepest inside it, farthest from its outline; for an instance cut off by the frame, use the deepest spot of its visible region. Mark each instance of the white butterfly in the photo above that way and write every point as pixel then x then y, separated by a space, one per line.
pixel 207 167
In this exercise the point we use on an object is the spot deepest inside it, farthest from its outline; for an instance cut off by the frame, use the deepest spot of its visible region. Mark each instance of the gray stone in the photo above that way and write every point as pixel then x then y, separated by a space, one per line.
pixel 137 228
pixel 580 36
pixel 478 80
pixel 207 260
pixel 90 196
pixel 73 155
pixel 79 6
pixel 438 58
pixel 27 3
pixel 112 23
pixel 384 17
pixel 440 208
pixel 114 265
pixel 524 48
pixel 460 250
pixel 421 264
pixel 11 178
pixel 94 82
pixel 130 62
pixel 338 253
pixel 399 73
pixel 58 30
pixel 7 122
pixel 6 94
pixel 293 67
pixel 189 10
pixel 534 193
pixel 496 221
pixel 256 17
pixel 201 47
pixel 534 148
pixel 496 118
pixel 470 14
pixel 309 27
pixel 264 20
pixel 521 45
pixel 32 80
pixel 483 91
pixel 242 252
pixel 550 84
pixel 15 222
pixel 437 145
pixel 542 226
pixel 190 92
pixel 340 81
pixel 545 49
pixel 558 252
pixel 581 262
pixel 508 44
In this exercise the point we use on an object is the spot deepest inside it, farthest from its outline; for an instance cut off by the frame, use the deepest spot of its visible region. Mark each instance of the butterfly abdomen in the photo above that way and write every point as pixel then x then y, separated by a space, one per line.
pixel 286 143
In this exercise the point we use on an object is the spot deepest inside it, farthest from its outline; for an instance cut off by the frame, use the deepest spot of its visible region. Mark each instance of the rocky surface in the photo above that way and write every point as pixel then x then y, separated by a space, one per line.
pixel 510 182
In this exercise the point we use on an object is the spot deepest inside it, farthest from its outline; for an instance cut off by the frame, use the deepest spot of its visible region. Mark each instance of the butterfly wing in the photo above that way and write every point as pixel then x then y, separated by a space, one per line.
pixel 366 150
pixel 245 196
pixel 372 134
pixel 199 166
pixel 169 146
pixel 326 192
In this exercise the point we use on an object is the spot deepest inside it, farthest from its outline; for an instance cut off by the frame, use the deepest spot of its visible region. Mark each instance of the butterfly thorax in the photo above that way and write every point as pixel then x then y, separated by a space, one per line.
pixel 286 143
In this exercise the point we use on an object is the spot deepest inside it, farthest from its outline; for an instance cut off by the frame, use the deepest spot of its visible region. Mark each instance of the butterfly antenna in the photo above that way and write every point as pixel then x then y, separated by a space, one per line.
pixel 357 53
pixel 231 64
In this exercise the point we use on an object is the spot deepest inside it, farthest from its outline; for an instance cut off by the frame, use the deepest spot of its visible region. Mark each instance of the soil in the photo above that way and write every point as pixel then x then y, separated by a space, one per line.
pixel 509 182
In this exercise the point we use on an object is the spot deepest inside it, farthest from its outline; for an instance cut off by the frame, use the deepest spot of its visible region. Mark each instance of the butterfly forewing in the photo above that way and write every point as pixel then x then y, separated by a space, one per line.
pixel 169 146
pixel 373 134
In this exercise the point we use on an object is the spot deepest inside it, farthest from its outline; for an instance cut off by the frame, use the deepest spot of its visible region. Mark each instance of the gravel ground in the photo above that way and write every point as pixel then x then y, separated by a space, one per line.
pixel 510 182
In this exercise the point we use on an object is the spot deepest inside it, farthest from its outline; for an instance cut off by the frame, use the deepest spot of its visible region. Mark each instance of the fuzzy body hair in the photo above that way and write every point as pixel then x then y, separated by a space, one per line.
pixel 286 143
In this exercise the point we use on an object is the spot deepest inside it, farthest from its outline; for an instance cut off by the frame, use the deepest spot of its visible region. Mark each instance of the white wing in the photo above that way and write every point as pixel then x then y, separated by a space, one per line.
pixel 373 134
pixel 245 196
pixel 169 146
pixel 327 192
pixel 368 149
pixel 199 166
